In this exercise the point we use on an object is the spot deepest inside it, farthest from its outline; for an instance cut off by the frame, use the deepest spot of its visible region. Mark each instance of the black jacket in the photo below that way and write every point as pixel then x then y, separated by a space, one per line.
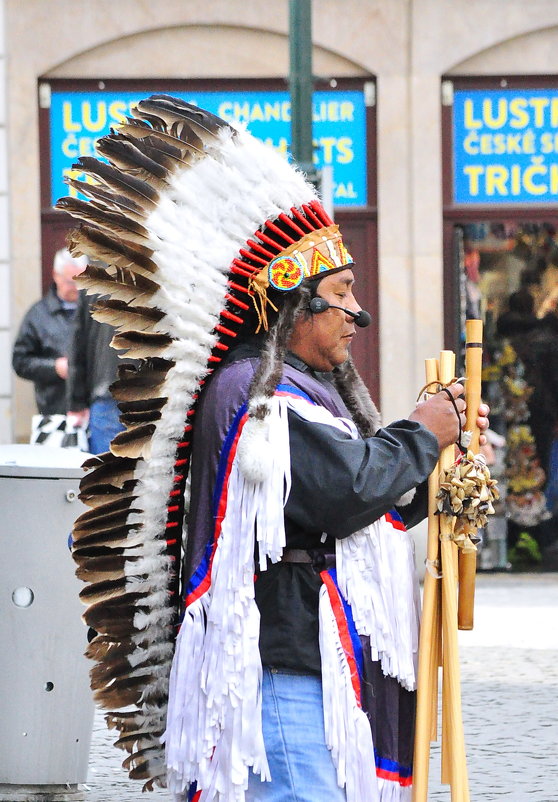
pixel 338 486
pixel 43 337
pixel 92 363
pixel 538 351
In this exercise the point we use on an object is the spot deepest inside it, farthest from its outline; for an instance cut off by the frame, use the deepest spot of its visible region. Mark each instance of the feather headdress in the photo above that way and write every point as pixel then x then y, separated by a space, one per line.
pixel 203 230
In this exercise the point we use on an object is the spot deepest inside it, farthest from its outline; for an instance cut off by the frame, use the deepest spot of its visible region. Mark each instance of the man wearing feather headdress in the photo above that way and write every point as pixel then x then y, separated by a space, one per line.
pixel 270 641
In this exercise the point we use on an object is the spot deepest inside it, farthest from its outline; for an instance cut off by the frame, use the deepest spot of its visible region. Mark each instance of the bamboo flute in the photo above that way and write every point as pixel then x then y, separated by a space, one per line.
pixel 453 746
pixel 473 371
pixel 427 681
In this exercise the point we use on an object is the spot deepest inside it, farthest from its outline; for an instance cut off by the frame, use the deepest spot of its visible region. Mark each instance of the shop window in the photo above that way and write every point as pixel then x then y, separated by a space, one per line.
pixel 508 276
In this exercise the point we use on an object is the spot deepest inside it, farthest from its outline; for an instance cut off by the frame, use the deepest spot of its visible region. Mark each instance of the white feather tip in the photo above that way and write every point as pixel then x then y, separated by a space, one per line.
pixel 253 452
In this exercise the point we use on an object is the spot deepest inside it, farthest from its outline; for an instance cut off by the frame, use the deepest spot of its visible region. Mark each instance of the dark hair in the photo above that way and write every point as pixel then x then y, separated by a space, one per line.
pixel 348 382
pixel 529 277
pixel 270 369
pixel 522 302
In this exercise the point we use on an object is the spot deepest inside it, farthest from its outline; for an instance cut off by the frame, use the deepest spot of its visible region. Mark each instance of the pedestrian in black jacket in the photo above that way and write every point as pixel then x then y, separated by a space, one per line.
pixel 41 347
pixel 92 368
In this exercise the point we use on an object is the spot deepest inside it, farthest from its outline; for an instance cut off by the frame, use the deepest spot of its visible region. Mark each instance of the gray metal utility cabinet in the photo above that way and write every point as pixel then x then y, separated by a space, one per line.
pixel 46 707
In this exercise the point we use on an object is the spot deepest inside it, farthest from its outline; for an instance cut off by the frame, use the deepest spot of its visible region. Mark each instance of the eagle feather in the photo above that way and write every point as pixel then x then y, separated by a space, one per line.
pixel 122 183
pixel 109 221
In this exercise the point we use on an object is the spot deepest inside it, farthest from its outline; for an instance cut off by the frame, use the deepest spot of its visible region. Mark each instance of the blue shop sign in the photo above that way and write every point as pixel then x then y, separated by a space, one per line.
pixel 505 146
pixel 78 119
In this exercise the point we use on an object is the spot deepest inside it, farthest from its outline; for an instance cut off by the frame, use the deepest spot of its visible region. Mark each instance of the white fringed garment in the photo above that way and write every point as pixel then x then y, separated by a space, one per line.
pixel 214 734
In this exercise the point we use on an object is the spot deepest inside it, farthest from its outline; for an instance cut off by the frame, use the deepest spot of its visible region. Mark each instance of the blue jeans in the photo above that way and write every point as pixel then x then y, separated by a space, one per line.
pixel 551 489
pixel 104 424
pixel 300 763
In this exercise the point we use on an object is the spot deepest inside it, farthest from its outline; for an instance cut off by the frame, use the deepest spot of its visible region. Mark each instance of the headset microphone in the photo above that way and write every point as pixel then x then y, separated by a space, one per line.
pixel 318 305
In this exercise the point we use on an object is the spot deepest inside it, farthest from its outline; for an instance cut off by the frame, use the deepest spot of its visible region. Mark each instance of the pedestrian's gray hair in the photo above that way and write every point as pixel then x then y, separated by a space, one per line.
pixel 62 257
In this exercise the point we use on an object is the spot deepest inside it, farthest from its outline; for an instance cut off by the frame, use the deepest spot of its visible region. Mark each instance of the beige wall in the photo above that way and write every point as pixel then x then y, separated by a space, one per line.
pixel 5 333
pixel 407 44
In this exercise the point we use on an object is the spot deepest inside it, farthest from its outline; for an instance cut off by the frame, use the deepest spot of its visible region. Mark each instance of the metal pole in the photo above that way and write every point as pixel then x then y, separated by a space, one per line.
pixel 300 84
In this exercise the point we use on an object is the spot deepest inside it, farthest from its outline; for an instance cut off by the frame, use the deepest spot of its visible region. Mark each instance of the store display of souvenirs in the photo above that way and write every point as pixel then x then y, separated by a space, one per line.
pixel 525 500
pixel 509 277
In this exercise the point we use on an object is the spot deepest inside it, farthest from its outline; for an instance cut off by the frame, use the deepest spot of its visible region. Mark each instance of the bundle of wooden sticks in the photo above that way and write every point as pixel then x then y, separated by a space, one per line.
pixel 460 496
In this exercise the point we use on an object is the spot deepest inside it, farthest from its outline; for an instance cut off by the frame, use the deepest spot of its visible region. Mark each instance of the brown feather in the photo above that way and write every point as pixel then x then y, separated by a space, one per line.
pixel 157 779
pixel 141 772
pixel 116 224
pixel 110 470
pixel 96 460
pixel 141 383
pixel 122 284
pixel 142 405
pixel 114 616
pixel 111 514
pixel 125 720
pixel 122 183
pixel 114 505
pixel 128 277
pixel 98 495
pixel 103 519
pixel 119 314
pixel 91 575
pixel 121 693
pixel 109 200
pixel 134 442
pixel 129 741
pixel 150 312
pixel 102 523
pixel 112 251
pixel 155 149
pixel 100 591
pixel 141 344
pixel 103 646
pixel 124 536
pixel 81 554
pixel 115 668
pixel 186 153
pixel 104 460
pixel 181 118
pixel 99 569
pixel 130 155
pixel 129 158
pixel 108 623
pixel 138 760
pixel 136 418
pixel 151 111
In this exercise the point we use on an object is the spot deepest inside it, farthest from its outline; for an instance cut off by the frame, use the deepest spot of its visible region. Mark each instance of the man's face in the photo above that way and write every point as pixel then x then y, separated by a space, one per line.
pixel 66 287
pixel 323 340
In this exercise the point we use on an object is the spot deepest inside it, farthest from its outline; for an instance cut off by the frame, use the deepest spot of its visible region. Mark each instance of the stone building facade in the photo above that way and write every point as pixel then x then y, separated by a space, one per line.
pixel 404 49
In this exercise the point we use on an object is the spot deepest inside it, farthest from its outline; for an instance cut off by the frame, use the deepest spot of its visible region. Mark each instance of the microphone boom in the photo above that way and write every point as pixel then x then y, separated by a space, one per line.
pixel 318 305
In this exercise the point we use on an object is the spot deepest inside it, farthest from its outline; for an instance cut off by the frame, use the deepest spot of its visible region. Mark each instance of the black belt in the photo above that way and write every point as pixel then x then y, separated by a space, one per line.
pixel 296 556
